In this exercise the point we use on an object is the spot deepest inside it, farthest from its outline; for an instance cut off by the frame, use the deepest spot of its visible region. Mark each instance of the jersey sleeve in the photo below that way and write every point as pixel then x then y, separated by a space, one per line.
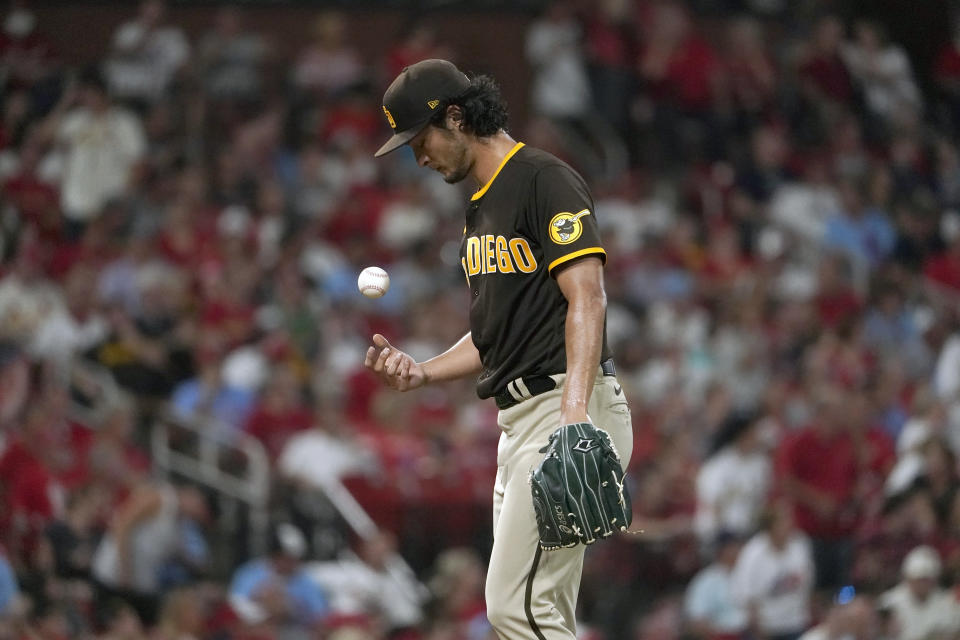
pixel 566 226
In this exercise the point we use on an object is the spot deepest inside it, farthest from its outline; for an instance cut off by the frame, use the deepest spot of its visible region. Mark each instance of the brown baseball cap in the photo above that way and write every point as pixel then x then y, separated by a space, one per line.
pixel 411 99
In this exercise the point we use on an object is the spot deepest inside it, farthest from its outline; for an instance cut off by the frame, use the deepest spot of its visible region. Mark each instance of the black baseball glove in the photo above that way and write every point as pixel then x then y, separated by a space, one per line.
pixel 578 489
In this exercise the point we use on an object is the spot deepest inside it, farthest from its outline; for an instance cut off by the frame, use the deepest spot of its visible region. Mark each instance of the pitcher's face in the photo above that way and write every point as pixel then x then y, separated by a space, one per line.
pixel 444 150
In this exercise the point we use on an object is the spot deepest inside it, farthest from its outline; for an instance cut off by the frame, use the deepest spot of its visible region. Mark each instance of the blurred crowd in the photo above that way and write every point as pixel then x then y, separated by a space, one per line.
pixel 779 190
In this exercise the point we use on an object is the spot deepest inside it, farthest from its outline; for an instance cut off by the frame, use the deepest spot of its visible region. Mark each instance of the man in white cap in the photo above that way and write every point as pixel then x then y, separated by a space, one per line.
pixel 918 607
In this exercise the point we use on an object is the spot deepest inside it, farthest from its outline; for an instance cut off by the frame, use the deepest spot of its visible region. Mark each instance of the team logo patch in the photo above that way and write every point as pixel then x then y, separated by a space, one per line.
pixel 433 103
pixel 585 445
pixel 565 227
pixel 393 125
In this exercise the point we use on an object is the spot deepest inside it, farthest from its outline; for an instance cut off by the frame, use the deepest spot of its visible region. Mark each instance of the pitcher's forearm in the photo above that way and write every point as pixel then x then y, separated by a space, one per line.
pixel 584 337
pixel 459 361
pixel 582 286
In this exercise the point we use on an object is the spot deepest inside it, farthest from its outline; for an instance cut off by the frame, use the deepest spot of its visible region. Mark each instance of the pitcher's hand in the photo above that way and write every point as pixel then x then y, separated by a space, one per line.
pixel 393 366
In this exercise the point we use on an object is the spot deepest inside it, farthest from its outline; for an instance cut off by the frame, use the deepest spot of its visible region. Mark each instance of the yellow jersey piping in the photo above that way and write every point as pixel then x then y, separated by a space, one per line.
pixel 576 254
pixel 483 189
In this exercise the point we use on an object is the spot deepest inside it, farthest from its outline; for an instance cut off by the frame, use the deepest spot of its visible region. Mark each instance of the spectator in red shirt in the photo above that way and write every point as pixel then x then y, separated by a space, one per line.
pixel 749 72
pixel 26 54
pixel 610 51
pixel 819 471
pixel 836 300
pixel 681 73
pixel 328 64
pixel 678 65
pixel 281 411
pixel 825 80
pixel 36 200
pixel 419 42
pixel 351 121
pixel 874 447
pixel 945 268
pixel 29 490
pixel 946 75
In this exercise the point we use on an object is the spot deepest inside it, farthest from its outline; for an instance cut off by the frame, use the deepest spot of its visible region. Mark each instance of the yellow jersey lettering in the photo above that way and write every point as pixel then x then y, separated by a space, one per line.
pixel 497 254
pixel 489 253
pixel 523 255
pixel 473 256
pixel 503 256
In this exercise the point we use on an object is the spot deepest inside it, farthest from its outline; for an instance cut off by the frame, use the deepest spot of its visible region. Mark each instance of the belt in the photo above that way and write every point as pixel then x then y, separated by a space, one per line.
pixel 526 387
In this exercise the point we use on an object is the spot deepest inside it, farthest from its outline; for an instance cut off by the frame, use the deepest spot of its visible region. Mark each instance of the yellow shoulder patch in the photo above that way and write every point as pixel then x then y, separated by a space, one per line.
pixel 565 227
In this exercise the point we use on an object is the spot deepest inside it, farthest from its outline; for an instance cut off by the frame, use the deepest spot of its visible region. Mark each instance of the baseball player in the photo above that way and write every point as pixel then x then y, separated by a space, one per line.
pixel 533 260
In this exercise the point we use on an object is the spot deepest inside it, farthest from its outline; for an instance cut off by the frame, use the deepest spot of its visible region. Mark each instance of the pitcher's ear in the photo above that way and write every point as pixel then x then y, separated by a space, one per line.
pixel 455 117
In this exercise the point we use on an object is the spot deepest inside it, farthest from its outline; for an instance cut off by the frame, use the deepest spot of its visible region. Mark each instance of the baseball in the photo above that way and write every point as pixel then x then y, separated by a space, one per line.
pixel 373 282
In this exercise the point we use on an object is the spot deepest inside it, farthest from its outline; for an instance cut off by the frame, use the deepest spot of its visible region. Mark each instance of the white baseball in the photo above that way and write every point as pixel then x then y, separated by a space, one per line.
pixel 373 282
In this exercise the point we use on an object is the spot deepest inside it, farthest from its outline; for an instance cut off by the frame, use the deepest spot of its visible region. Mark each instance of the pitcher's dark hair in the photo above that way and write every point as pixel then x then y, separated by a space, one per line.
pixel 483 107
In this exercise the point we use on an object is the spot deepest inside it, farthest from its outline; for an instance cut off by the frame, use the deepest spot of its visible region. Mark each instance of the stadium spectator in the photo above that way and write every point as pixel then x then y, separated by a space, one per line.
pixel 146 55
pixel 883 70
pixel 26 55
pixel 610 51
pixel 369 585
pixel 858 229
pixel 30 187
pixel 181 616
pixel 418 41
pixel 561 89
pixel 210 395
pixel 9 590
pixel 277 592
pixel 917 606
pixel 855 619
pixel 749 73
pixel 72 538
pixel 890 329
pixel 819 471
pixel 680 71
pixel 75 325
pixel 710 608
pixel 824 77
pixel 946 178
pixel 328 64
pixel 232 59
pixel 31 492
pixel 102 144
pixel 144 535
pixel 774 577
pixel 326 451
pixel 732 484
pixel 456 584
pixel 946 74
pixel 120 621
pixel 561 93
pixel 281 412
pixel 944 268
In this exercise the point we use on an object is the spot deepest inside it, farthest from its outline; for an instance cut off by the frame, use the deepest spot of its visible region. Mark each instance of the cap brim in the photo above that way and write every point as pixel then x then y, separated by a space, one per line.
pixel 397 141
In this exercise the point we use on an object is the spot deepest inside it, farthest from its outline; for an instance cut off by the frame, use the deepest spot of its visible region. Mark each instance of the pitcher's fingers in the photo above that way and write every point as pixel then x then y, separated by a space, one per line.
pixel 394 362
pixel 380 341
pixel 381 359
pixel 370 357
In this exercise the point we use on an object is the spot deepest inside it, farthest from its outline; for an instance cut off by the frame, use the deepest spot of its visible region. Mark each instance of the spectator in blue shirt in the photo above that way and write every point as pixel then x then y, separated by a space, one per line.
pixel 9 590
pixel 276 590
pixel 709 607
pixel 859 230
pixel 209 395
